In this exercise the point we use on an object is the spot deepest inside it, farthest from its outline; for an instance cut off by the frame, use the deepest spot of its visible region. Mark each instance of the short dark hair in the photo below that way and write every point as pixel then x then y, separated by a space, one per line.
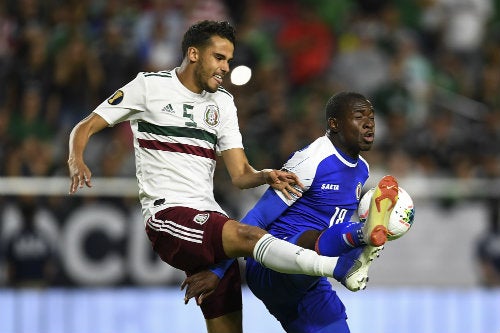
pixel 339 103
pixel 199 34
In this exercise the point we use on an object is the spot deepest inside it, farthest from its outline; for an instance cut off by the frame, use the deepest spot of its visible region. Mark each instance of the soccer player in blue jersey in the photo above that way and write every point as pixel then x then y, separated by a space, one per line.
pixel 333 174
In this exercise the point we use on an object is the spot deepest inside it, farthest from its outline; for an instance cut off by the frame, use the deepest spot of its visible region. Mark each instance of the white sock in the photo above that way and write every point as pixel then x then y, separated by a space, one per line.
pixel 285 257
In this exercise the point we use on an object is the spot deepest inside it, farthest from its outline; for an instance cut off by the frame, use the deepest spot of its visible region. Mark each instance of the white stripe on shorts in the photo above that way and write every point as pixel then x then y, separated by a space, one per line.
pixel 176 230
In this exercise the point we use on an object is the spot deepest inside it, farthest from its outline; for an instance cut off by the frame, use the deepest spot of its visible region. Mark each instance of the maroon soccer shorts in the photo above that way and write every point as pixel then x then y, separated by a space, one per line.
pixel 191 240
pixel 227 297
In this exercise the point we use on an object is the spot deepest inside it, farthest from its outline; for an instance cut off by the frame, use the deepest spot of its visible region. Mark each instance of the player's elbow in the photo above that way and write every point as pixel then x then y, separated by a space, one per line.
pixel 238 183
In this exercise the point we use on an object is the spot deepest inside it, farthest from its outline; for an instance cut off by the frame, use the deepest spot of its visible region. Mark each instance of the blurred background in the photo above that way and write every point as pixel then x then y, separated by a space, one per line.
pixel 431 68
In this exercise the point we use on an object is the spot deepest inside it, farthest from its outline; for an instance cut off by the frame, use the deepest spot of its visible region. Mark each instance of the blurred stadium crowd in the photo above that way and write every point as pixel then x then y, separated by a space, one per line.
pixel 430 67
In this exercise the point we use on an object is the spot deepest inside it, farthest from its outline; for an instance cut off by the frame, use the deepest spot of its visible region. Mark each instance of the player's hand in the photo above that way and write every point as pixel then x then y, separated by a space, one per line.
pixel 200 286
pixel 79 174
pixel 286 182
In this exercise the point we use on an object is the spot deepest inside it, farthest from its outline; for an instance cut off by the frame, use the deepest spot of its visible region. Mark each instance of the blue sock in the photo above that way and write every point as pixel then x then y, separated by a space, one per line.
pixel 340 238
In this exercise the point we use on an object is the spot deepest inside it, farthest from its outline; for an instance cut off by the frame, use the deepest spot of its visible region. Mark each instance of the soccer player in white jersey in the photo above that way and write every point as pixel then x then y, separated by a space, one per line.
pixel 180 119
pixel 333 174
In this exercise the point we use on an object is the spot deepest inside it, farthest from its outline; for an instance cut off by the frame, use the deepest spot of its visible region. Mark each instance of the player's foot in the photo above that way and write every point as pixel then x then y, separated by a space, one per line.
pixel 352 267
pixel 383 201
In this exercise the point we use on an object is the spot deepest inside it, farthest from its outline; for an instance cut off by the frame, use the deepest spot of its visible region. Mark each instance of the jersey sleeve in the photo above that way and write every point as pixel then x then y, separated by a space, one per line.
pixel 269 207
pixel 299 165
pixel 230 136
pixel 126 103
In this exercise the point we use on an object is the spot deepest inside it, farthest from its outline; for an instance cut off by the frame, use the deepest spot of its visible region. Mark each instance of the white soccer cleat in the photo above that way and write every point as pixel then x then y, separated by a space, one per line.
pixel 352 267
pixel 382 203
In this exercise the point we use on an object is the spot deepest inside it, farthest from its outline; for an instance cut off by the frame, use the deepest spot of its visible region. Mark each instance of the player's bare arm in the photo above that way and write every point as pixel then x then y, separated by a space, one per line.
pixel 243 175
pixel 79 173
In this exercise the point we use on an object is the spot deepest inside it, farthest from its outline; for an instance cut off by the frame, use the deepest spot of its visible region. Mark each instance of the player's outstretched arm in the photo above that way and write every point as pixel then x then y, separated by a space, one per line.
pixel 244 176
pixel 79 173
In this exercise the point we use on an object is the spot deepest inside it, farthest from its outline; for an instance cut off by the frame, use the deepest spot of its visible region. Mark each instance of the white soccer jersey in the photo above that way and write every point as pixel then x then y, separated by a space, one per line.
pixel 177 134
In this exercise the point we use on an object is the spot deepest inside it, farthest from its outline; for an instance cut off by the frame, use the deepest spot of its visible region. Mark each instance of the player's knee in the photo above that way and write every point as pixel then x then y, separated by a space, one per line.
pixel 239 239
pixel 248 233
pixel 308 239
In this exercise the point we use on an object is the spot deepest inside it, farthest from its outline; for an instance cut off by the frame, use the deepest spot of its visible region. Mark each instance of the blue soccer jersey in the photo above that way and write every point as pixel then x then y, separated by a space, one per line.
pixel 333 183
pixel 332 190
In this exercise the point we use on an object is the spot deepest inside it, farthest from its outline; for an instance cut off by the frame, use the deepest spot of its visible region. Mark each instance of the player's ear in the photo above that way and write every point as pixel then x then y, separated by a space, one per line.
pixel 193 54
pixel 333 124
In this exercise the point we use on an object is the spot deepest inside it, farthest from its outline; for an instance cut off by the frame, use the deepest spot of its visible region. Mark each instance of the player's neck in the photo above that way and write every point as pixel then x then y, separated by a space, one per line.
pixel 186 77
pixel 342 148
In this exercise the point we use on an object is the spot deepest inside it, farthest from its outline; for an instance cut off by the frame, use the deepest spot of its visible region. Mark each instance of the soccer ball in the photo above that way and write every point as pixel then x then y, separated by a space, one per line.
pixel 402 216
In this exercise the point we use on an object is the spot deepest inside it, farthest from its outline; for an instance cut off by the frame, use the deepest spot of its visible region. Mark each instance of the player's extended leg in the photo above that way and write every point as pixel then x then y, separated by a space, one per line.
pixel 352 268
pixel 229 323
pixel 339 239
pixel 222 308
pixel 382 203
pixel 241 240
pixel 345 240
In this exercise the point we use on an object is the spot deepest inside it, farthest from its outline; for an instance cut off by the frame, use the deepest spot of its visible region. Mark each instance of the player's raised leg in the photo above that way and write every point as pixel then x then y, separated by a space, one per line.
pixel 241 240
pixel 383 201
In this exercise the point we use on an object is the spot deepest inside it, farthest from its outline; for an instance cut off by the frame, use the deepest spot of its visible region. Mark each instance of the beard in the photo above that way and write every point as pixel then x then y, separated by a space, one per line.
pixel 201 78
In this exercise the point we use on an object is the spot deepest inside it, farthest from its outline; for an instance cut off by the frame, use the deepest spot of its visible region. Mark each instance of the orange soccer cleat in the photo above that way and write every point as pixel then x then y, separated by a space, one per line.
pixel 382 203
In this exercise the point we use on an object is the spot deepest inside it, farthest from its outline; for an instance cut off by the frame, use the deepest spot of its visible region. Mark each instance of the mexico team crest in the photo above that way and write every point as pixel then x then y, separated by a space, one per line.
pixel 201 218
pixel 211 116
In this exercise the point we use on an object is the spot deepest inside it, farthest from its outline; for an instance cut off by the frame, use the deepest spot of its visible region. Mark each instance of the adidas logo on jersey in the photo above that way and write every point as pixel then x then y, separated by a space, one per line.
pixel 168 108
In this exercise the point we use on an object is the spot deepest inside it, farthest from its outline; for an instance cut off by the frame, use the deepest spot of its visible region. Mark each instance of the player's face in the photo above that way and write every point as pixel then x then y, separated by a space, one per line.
pixel 213 64
pixel 357 127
